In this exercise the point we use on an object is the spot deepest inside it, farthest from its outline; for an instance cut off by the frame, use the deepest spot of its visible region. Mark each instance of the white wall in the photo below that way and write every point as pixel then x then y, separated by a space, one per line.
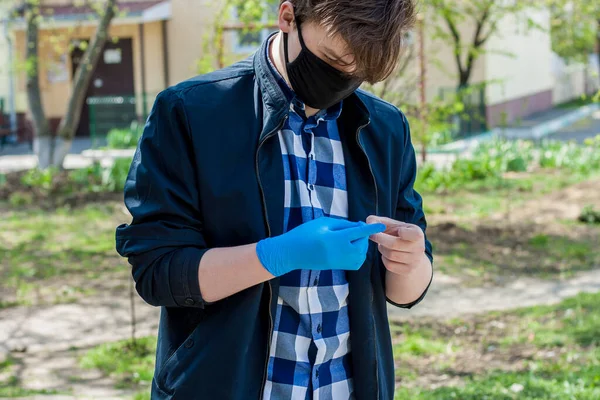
pixel 528 70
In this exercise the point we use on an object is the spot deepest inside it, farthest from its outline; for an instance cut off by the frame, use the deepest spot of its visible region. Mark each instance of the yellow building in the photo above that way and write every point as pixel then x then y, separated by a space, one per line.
pixel 153 44
pixel 158 43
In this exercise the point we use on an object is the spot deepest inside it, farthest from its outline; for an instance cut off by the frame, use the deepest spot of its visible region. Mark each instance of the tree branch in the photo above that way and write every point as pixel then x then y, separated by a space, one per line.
pixel 457 42
pixel 478 41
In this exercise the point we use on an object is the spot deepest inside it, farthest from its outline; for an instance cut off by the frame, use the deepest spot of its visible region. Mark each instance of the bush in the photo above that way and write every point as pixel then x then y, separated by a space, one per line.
pixel 115 177
pixel 124 138
pixel 577 158
pixel 37 178
pixel 96 178
pixel 492 159
pixel 589 215
pixel 506 156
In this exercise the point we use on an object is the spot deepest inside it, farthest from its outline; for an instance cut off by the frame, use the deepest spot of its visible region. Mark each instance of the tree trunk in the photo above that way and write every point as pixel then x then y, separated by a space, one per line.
pixel 43 137
pixel 83 75
pixel 598 44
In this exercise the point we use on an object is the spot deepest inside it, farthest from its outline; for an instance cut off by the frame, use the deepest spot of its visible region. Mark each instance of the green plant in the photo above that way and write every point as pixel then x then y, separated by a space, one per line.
pixel 124 138
pixel 3 180
pixel 39 178
pixel 129 362
pixel 506 156
pixel 572 156
pixel 18 199
pixel 114 177
pixel 590 215
pixel 88 176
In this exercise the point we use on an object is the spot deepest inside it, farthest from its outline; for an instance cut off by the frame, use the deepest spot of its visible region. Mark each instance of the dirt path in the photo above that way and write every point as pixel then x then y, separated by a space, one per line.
pixel 448 298
pixel 46 342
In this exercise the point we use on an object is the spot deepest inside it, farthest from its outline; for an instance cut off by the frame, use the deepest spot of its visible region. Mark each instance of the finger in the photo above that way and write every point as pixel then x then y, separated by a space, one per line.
pixel 401 257
pixel 386 240
pixel 397 268
pixel 384 220
pixel 398 244
pixel 410 233
pixel 336 224
pixel 361 245
pixel 392 225
pixel 363 231
pixel 396 256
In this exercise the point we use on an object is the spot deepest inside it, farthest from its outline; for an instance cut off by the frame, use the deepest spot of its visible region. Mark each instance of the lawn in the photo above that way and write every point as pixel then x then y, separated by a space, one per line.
pixel 48 257
pixel 481 234
pixel 529 227
pixel 545 352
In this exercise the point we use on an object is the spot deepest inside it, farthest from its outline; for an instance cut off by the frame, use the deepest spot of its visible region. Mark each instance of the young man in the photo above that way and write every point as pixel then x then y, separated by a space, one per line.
pixel 274 213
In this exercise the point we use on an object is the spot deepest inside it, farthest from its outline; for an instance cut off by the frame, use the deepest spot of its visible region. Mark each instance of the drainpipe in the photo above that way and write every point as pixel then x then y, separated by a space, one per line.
pixel 11 83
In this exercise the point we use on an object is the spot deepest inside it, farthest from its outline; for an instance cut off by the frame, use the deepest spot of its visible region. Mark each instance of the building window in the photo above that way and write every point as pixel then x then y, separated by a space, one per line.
pixel 247 41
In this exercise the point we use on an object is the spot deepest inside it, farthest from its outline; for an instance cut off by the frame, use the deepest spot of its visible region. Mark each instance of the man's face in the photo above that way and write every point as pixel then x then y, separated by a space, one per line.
pixel 331 49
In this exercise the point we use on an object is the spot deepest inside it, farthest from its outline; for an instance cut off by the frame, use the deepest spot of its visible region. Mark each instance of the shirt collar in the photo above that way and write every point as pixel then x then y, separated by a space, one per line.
pixel 296 105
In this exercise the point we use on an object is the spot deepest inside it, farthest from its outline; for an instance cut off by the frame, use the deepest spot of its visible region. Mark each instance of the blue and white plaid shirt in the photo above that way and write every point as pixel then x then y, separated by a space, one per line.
pixel 310 347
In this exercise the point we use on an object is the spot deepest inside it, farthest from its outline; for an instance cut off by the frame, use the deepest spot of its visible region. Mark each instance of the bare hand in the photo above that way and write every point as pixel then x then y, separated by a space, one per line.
pixel 402 246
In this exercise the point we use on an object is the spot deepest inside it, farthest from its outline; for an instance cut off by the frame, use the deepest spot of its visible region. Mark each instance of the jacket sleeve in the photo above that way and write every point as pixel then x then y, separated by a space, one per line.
pixel 410 204
pixel 164 242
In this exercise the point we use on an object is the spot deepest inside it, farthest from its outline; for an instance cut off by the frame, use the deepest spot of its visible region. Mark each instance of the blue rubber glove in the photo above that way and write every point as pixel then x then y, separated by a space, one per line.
pixel 321 244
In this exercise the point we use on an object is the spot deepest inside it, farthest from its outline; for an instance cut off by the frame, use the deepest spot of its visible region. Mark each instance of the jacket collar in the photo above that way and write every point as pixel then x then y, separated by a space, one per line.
pixel 276 103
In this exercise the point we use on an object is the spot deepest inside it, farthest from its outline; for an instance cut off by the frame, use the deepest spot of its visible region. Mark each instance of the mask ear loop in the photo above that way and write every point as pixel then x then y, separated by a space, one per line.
pixel 285 40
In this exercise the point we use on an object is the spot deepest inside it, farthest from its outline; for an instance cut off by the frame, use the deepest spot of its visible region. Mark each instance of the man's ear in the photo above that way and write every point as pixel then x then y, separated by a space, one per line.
pixel 286 17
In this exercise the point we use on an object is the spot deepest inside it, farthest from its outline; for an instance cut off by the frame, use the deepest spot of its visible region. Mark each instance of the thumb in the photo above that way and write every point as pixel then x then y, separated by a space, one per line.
pixel 363 231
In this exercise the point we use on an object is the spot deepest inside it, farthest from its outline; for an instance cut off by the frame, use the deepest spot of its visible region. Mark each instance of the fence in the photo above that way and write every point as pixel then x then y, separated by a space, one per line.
pixel 116 112
pixel 472 120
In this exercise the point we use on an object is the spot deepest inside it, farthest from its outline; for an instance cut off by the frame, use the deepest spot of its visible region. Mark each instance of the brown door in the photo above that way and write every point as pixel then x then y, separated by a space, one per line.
pixel 113 76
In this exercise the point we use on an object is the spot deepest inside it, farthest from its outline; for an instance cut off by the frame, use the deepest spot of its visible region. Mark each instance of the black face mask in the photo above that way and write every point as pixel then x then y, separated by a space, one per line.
pixel 317 84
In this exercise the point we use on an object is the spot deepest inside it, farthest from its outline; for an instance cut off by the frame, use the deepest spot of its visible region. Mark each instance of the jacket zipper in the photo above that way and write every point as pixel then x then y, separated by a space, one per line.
pixel 264 201
pixel 376 213
pixel 368 162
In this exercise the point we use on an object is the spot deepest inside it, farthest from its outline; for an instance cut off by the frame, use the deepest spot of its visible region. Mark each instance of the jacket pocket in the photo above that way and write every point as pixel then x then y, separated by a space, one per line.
pixel 177 363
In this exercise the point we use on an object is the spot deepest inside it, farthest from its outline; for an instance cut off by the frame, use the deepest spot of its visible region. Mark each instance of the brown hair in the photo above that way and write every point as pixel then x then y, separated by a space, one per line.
pixel 373 29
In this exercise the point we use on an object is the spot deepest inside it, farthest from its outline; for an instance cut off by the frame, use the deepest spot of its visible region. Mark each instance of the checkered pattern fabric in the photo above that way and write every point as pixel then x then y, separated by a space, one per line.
pixel 310 347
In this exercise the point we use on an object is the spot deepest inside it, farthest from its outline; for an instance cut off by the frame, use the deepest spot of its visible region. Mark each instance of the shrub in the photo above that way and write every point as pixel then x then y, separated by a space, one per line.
pixel 124 138
pixel 492 159
pixel 37 178
pixel 589 215
pixel 114 178
pixel 18 199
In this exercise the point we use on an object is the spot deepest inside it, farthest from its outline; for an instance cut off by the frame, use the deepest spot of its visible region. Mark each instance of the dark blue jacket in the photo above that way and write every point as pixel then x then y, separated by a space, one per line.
pixel 208 173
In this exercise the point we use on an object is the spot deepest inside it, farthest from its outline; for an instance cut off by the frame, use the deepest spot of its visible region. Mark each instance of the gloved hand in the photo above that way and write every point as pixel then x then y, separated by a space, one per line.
pixel 321 244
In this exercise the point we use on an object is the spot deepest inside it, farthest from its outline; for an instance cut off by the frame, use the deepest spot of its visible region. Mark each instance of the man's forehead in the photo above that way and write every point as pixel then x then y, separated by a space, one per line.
pixel 332 43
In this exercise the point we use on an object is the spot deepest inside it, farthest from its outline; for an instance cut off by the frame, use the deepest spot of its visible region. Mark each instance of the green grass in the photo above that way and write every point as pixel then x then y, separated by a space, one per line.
pixel 578 102
pixel 12 388
pixel 479 199
pixel 575 321
pixel 11 385
pixel 569 331
pixel 417 343
pixel 145 395
pixel 129 365
pixel 562 247
pixel 37 246
pixel 567 383
pixel 484 253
